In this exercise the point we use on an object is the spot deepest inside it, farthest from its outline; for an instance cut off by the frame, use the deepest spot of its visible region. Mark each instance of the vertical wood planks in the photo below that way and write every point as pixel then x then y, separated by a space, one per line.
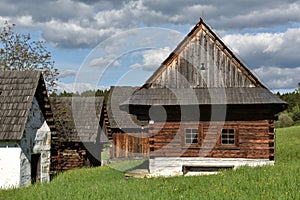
pixel 222 69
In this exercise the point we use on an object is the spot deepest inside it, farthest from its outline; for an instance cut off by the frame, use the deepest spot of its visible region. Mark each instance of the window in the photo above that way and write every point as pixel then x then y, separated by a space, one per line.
pixel 228 137
pixel 191 136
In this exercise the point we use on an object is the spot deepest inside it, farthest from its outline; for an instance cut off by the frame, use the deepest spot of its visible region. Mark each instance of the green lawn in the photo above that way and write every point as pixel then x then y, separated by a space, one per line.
pixel 270 182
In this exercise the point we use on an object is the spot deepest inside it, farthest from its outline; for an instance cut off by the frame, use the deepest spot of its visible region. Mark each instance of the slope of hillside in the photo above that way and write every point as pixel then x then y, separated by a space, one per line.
pixel 270 182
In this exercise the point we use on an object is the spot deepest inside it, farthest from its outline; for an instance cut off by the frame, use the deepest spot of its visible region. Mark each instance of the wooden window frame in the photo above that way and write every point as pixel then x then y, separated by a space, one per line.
pixel 200 135
pixel 236 137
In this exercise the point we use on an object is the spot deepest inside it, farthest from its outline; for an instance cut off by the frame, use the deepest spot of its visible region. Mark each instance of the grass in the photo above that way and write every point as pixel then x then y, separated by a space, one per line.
pixel 126 165
pixel 270 182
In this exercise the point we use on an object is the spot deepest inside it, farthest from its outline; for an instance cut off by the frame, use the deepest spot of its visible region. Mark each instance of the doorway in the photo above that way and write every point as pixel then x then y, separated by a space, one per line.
pixel 35 168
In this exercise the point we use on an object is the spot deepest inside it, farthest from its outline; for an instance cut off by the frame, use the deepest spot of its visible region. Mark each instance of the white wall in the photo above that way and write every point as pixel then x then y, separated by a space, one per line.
pixel 42 145
pixel 9 164
pixel 172 166
pixel 15 156
pixel 36 139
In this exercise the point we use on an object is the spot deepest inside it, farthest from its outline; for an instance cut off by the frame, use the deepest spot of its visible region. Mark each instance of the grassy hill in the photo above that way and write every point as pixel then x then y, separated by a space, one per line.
pixel 270 182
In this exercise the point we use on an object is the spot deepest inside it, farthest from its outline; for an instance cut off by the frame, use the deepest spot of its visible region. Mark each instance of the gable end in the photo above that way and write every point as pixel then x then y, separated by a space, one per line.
pixel 202 60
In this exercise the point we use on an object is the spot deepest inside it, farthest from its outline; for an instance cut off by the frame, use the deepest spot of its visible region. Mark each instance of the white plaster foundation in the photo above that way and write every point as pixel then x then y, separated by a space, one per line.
pixel 172 166
pixel 9 166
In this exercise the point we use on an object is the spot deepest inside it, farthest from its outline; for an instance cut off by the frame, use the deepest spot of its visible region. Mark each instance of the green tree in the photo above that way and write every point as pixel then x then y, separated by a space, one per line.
pixel 284 120
pixel 18 52
pixel 298 89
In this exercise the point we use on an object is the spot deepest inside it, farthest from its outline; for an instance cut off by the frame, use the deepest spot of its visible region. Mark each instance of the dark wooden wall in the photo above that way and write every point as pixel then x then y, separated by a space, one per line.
pixel 254 139
pixel 129 145
pixel 71 155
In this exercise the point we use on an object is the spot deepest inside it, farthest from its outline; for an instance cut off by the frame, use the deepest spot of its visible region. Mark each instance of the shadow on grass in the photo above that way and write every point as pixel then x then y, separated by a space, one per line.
pixel 129 165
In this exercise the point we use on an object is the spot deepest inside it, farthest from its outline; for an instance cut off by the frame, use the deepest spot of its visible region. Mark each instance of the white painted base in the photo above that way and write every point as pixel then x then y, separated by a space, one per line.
pixel 172 166
pixel 9 167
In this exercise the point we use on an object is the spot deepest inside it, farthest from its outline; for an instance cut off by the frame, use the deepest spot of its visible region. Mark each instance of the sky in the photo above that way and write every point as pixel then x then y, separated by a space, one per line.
pixel 96 44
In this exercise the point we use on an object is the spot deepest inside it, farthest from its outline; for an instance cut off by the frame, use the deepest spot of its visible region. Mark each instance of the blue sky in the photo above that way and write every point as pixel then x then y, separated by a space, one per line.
pixel 103 43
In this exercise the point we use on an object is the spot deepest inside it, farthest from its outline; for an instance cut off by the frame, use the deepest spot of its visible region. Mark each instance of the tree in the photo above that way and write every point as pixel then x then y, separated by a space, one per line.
pixel 18 52
pixel 298 89
pixel 284 120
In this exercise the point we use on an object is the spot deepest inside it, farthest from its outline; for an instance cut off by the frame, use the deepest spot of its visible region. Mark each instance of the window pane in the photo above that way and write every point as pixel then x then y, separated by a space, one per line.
pixel 188 135
pixel 228 136
pixel 191 136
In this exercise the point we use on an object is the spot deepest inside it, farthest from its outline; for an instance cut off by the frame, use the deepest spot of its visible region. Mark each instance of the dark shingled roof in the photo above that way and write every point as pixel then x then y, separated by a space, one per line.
pixel 203 96
pixel 77 118
pixel 17 90
pixel 118 118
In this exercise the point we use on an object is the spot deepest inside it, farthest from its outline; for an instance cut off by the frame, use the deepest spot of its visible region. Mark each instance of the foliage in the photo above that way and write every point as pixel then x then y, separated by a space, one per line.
pixel 87 93
pixel 284 120
pixel 18 52
pixel 293 110
pixel 64 94
pixel 269 182
pixel 296 115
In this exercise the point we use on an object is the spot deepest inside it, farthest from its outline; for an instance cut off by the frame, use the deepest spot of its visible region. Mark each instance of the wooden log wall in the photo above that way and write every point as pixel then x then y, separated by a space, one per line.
pixel 204 62
pixel 69 159
pixel 254 139
pixel 70 155
pixel 129 145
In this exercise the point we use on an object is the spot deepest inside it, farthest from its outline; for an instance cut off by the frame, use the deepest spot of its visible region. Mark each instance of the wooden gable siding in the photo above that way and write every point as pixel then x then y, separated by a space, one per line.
pixel 255 140
pixel 202 48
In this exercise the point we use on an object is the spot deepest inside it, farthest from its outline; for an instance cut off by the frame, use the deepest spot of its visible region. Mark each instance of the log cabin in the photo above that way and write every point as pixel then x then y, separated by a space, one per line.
pixel 206 110
pixel 26 125
pixel 80 139
pixel 127 135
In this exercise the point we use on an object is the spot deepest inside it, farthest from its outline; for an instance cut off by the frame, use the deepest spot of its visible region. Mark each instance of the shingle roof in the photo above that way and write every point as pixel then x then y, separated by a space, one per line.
pixel 117 117
pixel 77 118
pixel 17 89
pixel 203 96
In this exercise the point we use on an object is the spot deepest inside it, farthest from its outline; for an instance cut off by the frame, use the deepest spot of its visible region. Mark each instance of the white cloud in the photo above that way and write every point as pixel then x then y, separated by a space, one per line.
pixel 83 24
pixel 152 59
pixel 135 66
pixel 78 87
pixel 279 78
pixel 103 62
pixel 67 73
pixel 72 24
pixel 267 49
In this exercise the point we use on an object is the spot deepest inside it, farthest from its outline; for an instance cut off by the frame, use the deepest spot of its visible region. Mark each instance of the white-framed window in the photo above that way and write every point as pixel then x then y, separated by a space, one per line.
pixel 191 136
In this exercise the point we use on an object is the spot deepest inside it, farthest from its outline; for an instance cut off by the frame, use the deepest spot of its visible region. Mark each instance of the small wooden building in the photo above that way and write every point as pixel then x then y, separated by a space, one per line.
pixel 206 109
pixel 129 138
pixel 25 123
pixel 79 138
